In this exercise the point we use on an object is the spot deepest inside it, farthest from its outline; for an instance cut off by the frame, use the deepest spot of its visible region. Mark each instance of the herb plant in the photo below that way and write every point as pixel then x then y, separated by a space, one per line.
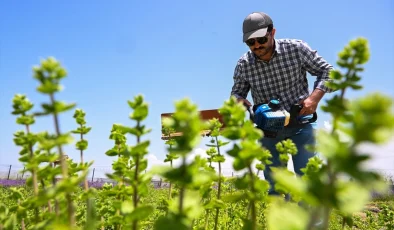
pixel 334 186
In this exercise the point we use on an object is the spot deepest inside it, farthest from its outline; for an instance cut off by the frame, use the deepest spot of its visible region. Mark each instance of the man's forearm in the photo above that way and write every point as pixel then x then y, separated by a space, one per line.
pixel 317 95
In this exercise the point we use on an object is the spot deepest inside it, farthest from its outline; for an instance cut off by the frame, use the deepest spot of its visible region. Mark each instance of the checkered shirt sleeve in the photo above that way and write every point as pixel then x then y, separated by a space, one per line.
pixel 316 66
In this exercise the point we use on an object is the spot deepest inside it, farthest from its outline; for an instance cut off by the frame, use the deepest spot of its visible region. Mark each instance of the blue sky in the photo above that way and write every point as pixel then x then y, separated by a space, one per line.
pixel 165 50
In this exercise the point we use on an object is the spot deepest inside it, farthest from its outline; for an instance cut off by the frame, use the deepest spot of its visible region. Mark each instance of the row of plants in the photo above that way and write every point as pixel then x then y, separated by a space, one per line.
pixel 198 197
pixel 378 214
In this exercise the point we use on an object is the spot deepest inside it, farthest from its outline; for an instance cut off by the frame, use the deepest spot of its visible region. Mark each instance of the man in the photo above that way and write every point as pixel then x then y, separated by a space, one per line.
pixel 276 69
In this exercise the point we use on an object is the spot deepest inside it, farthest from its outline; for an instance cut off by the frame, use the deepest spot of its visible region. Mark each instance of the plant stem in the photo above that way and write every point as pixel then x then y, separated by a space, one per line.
pixel 219 185
pixel 57 128
pixel 135 194
pixel 102 223
pixel 57 208
pixel 343 223
pixel 34 172
pixel 313 219
pixel 34 175
pixel 23 224
pixel 86 180
pixel 252 202
pixel 331 184
pixel 70 207
pixel 206 219
pixel 23 219
pixel 49 202
pixel 332 175
pixel 118 196
pixel 326 214
pixel 182 189
pixel 170 188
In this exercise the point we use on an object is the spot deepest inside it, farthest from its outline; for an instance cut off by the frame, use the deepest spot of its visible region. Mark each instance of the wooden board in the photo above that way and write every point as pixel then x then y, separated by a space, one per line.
pixel 205 115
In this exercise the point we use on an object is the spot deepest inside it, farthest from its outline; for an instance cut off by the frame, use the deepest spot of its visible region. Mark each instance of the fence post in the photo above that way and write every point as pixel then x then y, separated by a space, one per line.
pixel 93 174
pixel 9 171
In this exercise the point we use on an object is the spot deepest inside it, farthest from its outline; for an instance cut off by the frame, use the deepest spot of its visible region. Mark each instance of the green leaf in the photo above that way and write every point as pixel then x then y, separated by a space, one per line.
pixel 215 203
pixel 139 149
pixel 242 182
pixel 234 152
pixel 57 107
pixel 181 175
pixel 218 158
pixel 352 197
pixel 82 144
pixel 83 130
pixel 171 222
pixel 139 131
pixel 48 87
pixel 260 167
pixel 239 164
pixel 141 212
pixel 140 113
pixel 24 159
pixel 329 145
pixel 232 133
pixel 91 216
pixel 127 207
pixel 287 181
pixel 235 197
pixel 286 147
pixel 203 177
pixel 296 217
pixel 140 108
pixel 349 221
pixel 251 149
pixel 191 205
pixel 16 194
pixel 21 104
pixel 112 152
pixel 143 164
pixel 25 120
pixel 187 120
pixel 261 186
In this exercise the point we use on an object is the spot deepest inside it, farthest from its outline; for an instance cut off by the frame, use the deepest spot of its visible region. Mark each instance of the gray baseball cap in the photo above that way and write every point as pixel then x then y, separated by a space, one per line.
pixel 256 25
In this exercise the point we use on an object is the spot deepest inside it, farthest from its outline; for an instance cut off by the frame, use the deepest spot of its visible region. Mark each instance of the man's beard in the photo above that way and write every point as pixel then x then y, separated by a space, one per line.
pixel 264 51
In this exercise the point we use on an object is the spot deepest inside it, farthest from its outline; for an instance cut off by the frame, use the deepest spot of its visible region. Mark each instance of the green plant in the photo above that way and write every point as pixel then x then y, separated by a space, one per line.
pixel 337 187
pixel 128 168
pixel 244 153
pixel 215 156
pixel 188 176
pixel 82 130
pixel 323 189
pixel 170 157
pixel 39 158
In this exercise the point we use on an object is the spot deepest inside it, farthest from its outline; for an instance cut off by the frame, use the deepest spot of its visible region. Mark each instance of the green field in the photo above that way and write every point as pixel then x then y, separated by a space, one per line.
pixel 338 192
pixel 378 214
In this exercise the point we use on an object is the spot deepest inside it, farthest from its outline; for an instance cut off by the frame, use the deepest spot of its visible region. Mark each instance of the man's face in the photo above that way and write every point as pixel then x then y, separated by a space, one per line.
pixel 259 49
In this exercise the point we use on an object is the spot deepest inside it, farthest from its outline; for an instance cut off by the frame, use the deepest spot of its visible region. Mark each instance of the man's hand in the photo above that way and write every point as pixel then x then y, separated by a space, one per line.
pixel 310 104
pixel 245 102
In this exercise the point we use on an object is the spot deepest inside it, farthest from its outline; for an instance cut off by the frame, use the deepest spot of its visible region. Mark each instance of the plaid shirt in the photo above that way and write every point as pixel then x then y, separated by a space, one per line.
pixel 283 77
